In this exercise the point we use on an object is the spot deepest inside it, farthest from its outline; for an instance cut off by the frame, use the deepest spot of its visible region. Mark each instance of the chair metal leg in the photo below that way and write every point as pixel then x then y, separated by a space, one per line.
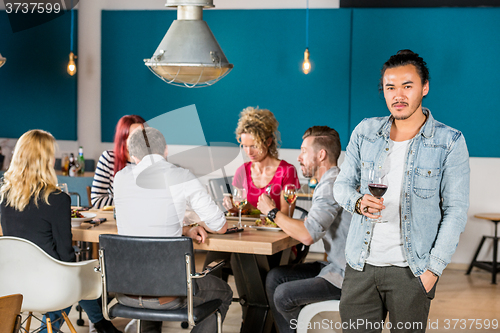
pixel 219 321
pixel 139 324
pixel 49 325
pixel 68 322
pixel 471 266
pixel 28 321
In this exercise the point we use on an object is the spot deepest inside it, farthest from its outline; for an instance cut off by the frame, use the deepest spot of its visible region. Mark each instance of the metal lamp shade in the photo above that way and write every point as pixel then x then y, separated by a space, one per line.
pixel 2 60
pixel 189 55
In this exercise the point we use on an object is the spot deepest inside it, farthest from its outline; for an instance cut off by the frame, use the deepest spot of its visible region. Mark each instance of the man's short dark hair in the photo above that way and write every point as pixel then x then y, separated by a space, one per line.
pixel 403 58
pixel 138 147
pixel 325 138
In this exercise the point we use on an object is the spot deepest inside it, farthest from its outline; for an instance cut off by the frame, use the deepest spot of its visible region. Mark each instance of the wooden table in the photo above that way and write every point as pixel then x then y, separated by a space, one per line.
pixel 490 266
pixel 250 241
pixel 255 252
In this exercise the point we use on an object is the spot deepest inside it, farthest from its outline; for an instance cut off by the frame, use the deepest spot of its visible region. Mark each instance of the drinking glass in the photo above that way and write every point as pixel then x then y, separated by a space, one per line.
pixel 239 201
pixel 290 195
pixel 63 187
pixel 377 184
pixel 65 164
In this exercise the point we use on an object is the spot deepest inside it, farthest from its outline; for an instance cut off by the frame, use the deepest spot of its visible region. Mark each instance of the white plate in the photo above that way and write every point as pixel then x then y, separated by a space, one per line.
pixel 265 228
pixel 86 217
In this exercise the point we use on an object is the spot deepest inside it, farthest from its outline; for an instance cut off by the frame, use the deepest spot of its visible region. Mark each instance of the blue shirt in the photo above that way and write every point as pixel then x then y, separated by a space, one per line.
pixel 327 220
pixel 434 197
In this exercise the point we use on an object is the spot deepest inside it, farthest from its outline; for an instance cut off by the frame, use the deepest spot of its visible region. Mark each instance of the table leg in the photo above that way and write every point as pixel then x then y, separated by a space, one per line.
pixel 494 263
pixel 95 250
pixel 475 255
pixel 250 273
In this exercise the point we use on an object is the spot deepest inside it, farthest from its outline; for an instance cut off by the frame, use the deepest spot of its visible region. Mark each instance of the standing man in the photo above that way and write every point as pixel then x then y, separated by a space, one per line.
pixel 393 267
pixel 289 288
pixel 151 198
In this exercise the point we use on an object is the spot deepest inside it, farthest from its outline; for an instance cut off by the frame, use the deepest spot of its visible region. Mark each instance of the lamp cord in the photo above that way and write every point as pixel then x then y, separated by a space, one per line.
pixel 307 23
pixel 72 25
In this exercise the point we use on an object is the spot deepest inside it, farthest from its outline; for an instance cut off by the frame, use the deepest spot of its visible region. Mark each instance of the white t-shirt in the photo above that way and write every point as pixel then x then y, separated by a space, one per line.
pixel 151 198
pixel 386 246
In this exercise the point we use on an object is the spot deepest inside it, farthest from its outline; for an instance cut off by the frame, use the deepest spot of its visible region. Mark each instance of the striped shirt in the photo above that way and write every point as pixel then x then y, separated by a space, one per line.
pixel 102 185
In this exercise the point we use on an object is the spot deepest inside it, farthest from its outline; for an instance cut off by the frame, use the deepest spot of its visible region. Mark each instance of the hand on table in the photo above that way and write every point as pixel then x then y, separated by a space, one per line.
pixel 198 233
pixel 265 204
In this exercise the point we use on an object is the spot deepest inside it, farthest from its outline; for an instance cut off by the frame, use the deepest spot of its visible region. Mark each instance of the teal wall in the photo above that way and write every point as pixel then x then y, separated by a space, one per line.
pixel 461 47
pixel 348 48
pixel 35 89
pixel 266 48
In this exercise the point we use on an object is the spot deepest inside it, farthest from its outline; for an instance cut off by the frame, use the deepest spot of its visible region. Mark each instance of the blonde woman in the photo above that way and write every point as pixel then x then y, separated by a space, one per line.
pixel 258 135
pixel 33 208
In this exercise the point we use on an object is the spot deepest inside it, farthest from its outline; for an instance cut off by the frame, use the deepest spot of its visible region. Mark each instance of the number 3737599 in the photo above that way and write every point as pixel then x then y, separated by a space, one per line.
pixel 467 324
pixel 32 7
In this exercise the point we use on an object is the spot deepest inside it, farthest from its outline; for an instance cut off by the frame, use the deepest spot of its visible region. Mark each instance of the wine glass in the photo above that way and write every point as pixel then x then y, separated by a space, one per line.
pixel 239 201
pixel 290 194
pixel 63 187
pixel 377 184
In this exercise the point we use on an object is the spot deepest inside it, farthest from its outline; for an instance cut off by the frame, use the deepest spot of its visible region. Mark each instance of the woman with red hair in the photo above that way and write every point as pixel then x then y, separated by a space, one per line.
pixel 112 161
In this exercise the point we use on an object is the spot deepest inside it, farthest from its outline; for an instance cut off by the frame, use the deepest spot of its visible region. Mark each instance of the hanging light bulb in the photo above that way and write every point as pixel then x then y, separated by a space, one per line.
pixel 2 60
pixel 71 64
pixel 306 64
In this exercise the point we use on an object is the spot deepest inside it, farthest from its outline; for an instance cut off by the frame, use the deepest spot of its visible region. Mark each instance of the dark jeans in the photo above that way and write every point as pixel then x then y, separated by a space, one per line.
pixel 290 288
pixel 209 288
pixel 369 295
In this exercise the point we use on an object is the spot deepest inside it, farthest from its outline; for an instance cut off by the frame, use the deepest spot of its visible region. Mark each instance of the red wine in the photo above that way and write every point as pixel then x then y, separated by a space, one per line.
pixel 378 190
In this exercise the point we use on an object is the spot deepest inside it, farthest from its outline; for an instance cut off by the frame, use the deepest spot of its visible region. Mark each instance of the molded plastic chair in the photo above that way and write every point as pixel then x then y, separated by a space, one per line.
pixel 309 311
pixel 10 313
pixel 47 284
pixel 152 266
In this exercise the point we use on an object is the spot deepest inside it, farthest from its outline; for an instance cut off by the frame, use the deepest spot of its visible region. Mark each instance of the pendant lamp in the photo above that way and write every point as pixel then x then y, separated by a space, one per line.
pixel 2 60
pixel 71 64
pixel 189 55
pixel 306 64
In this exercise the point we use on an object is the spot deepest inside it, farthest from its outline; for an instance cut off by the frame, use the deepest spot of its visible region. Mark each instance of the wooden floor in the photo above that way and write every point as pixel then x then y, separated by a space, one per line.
pixel 462 304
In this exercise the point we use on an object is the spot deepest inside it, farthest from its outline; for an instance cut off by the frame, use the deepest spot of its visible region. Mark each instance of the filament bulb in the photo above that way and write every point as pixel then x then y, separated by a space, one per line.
pixel 306 65
pixel 71 64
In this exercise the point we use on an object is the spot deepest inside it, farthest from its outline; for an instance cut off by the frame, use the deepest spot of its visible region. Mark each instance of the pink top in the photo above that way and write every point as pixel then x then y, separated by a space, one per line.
pixel 285 174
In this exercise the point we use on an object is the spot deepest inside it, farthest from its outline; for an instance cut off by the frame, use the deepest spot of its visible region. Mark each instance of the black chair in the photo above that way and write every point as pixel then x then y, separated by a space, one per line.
pixel 152 266
pixel 302 249
pixel 303 211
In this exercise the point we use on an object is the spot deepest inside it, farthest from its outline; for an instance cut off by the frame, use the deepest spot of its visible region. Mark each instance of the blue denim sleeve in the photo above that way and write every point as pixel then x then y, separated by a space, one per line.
pixel 348 181
pixel 455 203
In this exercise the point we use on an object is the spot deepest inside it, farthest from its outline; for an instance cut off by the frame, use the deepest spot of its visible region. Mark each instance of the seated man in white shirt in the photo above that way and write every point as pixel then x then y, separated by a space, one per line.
pixel 150 200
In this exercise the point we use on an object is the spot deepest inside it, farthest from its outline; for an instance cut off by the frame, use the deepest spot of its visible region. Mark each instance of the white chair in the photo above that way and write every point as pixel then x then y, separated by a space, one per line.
pixel 309 311
pixel 47 284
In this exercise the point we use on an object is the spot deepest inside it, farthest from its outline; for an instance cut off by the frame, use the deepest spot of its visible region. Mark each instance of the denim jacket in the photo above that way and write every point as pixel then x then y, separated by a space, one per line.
pixel 434 197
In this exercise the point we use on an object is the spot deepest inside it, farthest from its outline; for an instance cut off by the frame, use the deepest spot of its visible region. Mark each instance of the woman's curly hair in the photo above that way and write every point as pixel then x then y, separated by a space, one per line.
pixel 262 125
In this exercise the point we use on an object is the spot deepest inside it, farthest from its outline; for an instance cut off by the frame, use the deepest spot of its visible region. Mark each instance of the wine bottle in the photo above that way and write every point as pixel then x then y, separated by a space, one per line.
pixel 72 166
pixel 81 161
